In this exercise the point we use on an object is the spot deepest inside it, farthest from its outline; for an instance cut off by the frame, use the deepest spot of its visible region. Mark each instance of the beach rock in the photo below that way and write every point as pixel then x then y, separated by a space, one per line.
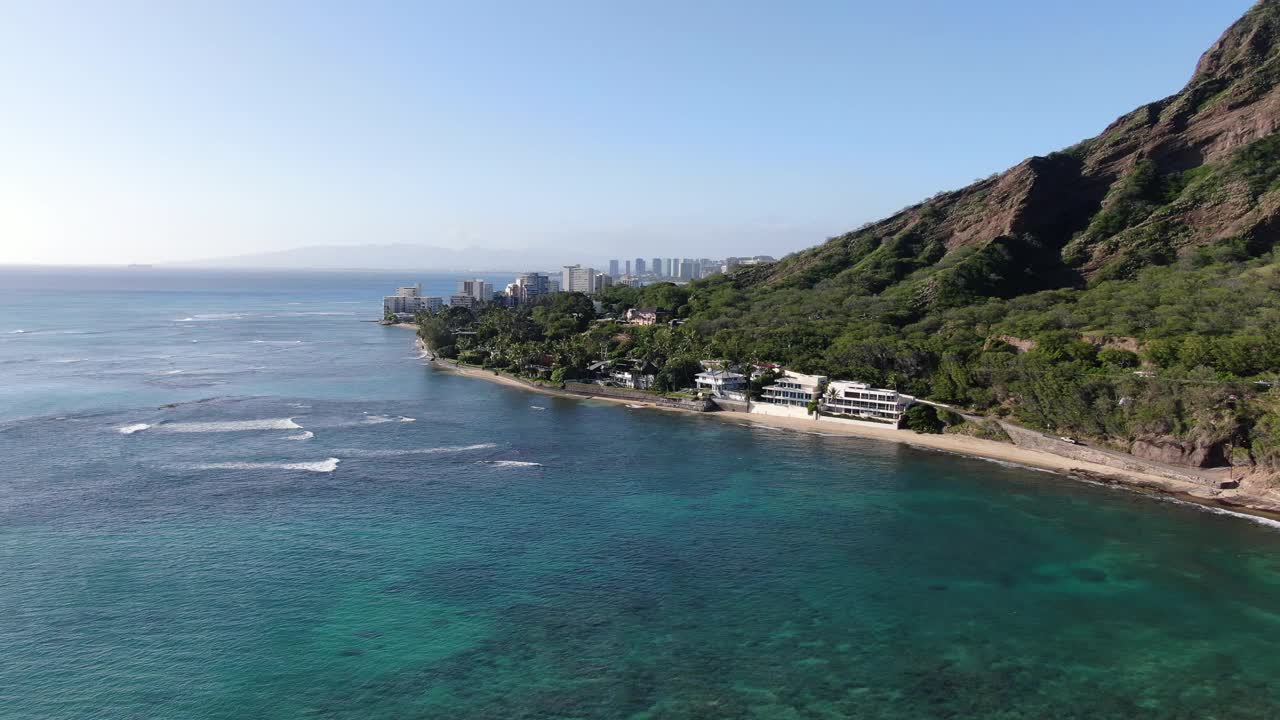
pixel 1177 452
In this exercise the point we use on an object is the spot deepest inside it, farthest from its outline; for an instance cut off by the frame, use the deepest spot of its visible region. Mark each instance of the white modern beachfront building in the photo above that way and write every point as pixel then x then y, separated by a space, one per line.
pixel 860 400
pixel 793 389
pixel 722 384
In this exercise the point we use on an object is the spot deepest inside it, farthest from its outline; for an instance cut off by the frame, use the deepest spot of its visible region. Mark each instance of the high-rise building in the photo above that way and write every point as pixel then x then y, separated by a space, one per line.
pixel 408 300
pixel 479 290
pixel 628 273
pixel 639 266
pixel 613 268
pixel 529 286
pixel 601 282
pixel 656 266
pixel 575 278
pixel 688 269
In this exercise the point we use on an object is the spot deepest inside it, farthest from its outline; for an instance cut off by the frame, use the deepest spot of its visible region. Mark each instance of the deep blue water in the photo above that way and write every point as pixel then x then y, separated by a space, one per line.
pixel 227 496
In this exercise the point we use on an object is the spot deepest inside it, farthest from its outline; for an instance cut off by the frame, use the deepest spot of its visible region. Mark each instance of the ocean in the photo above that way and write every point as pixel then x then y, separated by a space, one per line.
pixel 231 496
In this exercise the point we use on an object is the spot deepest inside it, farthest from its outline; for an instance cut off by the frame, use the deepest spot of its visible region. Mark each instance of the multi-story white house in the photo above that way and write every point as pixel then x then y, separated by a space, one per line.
pixel 857 399
pixel 722 384
pixel 795 389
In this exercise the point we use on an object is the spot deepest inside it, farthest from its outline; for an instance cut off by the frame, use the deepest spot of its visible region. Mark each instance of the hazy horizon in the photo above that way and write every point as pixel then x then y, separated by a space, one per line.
pixel 154 134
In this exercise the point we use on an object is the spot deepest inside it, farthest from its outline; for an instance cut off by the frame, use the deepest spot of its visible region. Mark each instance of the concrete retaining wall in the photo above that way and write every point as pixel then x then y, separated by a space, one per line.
pixel 791 411
pixel 1023 437
pixel 640 396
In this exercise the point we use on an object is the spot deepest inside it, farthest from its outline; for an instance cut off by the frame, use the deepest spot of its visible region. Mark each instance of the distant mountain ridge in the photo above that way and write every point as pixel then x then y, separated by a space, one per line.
pixel 1198 167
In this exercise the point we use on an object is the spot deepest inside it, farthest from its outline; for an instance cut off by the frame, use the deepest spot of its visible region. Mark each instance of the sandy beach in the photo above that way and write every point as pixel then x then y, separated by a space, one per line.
pixel 1234 501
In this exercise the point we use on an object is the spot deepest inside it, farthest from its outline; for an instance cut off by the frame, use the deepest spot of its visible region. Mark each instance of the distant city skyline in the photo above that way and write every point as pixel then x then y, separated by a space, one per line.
pixel 143 133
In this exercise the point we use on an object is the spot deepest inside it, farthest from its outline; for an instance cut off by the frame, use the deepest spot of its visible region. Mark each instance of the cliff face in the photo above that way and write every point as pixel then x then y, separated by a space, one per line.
pixel 1197 168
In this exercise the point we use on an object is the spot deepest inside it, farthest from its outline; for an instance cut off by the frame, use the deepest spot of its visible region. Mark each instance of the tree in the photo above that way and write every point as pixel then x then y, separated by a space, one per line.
pixel 923 419
pixel 1119 358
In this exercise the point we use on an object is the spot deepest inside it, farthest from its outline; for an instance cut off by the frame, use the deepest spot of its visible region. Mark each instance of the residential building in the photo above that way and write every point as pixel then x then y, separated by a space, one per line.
pixel 575 278
pixel 795 389
pixel 655 267
pixel 409 300
pixel 688 270
pixel 859 399
pixel 530 286
pixel 628 273
pixel 634 374
pixel 642 316
pixel 639 266
pixel 461 300
pixel 601 283
pixel 613 268
pixel 479 290
pixel 722 383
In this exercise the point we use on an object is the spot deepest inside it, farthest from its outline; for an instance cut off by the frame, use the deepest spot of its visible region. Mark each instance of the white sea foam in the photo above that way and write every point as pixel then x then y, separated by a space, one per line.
pixel 171 372
pixel 510 463
pixel 229 426
pixel 276 342
pixel 417 451
pixel 321 466
pixel 131 429
pixel 208 317
pixel 380 419
pixel 304 435
pixel 537 407
pixel 17 332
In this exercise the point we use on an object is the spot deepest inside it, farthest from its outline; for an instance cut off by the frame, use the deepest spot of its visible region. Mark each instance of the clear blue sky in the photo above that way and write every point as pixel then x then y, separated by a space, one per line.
pixel 154 131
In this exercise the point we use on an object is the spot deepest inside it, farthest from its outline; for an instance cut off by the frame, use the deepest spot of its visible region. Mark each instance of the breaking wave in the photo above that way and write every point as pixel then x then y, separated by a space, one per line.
pixel 304 435
pixel 206 317
pixel 417 451
pixel 380 419
pixel 510 463
pixel 321 466
pixel 131 429
pixel 229 426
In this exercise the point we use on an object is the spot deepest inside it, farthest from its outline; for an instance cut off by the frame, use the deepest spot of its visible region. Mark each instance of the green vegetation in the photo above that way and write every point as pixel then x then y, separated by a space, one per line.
pixel 1161 355
pixel 1138 321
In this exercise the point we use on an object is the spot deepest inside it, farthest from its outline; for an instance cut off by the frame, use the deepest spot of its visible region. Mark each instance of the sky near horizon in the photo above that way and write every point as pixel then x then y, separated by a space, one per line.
pixel 156 132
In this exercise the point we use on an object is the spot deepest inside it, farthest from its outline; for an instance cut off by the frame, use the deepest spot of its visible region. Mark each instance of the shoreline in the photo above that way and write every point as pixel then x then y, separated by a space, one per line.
pixel 963 445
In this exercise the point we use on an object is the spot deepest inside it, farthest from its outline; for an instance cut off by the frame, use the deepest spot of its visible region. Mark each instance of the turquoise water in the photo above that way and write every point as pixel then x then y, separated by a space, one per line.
pixel 481 552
